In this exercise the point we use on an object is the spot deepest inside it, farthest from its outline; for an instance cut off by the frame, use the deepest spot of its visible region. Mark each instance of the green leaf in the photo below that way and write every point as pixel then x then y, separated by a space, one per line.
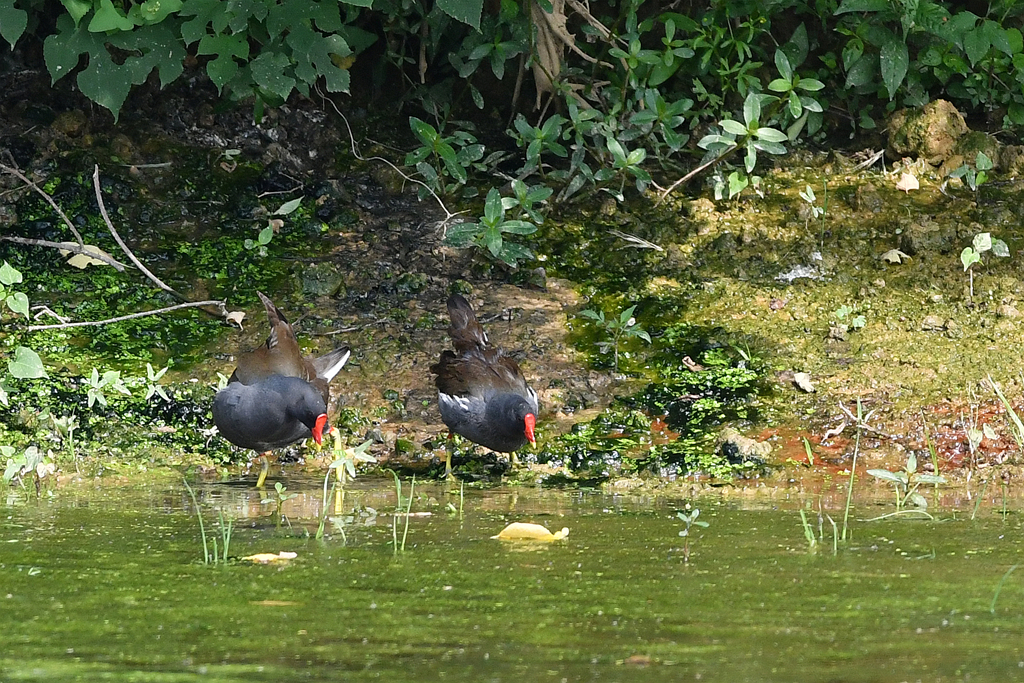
pixel 312 52
pixel 999 248
pixel 771 135
pixel 13 22
pixel 930 479
pixel 18 302
pixel 733 127
pixel 862 6
pixel 288 207
pixel 462 235
pixel 26 364
pixel 887 475
pixel 268 71
pixel 969 257
pixel 982 242
pixel 810 84
pixel 77 8
pixel 9 275
pixel 108 18
pixel 466 11
pixel 976 44
pixel 751 109
pixel 511 253
pixel 266 235
pixel 224 67
pixel 894 59
pixel 492 207
pixel 153 11
pixel 782 64
pixel 518 227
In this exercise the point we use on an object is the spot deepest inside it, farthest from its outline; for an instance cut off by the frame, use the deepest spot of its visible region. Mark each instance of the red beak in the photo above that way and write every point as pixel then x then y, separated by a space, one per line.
pixel 318 428
pixel 531 422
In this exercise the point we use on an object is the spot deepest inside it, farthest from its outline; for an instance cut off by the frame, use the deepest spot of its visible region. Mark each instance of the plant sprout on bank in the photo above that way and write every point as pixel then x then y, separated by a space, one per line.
pixel 982 242
pixel 618 327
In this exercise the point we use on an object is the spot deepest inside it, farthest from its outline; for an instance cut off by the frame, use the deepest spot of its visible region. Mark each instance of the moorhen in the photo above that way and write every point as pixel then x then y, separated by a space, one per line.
pixel 276 397
pixel 481 392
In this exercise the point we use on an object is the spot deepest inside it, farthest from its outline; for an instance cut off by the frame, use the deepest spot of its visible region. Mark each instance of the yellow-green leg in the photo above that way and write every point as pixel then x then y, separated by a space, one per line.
pixel 264 469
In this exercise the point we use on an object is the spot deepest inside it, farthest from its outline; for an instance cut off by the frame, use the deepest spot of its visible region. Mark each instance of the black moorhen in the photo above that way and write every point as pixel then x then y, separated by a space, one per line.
pixel 481 392
pixel 276 397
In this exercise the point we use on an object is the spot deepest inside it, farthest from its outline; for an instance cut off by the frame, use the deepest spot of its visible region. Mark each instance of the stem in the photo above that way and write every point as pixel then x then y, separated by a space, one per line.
pixel 202 528
pixel 853 470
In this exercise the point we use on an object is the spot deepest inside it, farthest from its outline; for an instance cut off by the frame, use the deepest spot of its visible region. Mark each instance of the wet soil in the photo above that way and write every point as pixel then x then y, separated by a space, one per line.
pixel 767 275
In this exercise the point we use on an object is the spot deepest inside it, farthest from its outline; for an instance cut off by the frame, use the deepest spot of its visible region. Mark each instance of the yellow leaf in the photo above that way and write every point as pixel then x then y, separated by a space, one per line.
pixel 84 260
pixel 236 317
pixel 267 558
pixel 524 531
pixel 907 182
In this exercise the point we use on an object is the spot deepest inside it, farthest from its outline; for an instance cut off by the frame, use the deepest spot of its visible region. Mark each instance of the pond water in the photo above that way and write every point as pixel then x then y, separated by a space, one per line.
pixel 108 584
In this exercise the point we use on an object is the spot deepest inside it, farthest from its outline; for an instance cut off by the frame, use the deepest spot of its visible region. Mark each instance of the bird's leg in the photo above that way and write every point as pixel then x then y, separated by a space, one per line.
pixel 264 468
pixel 448 457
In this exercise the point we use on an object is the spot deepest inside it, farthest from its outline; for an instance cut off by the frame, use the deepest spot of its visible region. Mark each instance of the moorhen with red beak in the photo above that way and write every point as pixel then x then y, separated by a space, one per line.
pixel 276 397
pixel 481 392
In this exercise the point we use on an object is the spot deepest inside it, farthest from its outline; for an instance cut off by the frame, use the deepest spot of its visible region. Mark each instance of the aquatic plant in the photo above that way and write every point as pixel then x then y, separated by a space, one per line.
pixel 344 468
pixel 689 519
pixel 225 532
pixel 906 482
pixel 31 462
pixel 400 548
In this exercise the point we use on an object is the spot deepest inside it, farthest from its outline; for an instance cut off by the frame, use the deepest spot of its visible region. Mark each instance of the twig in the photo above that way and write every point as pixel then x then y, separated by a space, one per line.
pixel 67 246
pixel 117 238
pixel 355 152
pixel 691 174
pixel 635 241
pixel 93 323
pixel 49 200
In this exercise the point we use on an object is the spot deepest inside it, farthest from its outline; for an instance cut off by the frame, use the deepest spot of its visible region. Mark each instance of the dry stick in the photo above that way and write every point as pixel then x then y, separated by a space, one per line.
pixel 691 174
pixel 48 198
pixel 69 247
pixel 93 323
pixel 117 238
pixel 355 152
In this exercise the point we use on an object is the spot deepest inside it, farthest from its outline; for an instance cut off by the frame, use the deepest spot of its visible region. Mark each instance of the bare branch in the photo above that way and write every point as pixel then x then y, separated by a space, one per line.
pixel 117 238
pixel 706 165
pixel 67 246
pixel 94 323
pixel 21 176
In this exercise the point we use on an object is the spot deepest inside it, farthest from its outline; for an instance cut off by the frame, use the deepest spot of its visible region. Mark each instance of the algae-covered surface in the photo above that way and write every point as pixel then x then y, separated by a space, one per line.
pixel 105 584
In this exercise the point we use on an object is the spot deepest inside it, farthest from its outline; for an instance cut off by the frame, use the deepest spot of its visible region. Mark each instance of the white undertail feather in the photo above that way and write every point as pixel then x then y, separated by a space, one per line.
pixel 330 372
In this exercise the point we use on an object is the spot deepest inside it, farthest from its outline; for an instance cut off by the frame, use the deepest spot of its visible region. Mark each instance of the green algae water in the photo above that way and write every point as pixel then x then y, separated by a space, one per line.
pixel 108 584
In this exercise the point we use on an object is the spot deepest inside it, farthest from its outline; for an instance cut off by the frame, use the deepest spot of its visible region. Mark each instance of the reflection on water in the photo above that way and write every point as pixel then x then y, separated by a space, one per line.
pixel 107 584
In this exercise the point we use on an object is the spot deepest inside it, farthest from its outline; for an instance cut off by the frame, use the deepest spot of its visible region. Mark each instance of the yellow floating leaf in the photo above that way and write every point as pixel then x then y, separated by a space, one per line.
pixel 84 260
pixel 267 558
pixel 524 531
pixel 273 603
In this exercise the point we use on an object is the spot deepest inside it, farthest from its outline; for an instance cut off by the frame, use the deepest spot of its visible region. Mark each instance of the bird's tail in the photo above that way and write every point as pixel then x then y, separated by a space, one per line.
pixel 466 332
pixel 329 365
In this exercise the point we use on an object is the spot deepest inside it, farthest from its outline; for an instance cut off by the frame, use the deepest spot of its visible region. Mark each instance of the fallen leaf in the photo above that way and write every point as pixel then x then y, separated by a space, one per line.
pixel 267 558
pixel 907 182
pixel 524 531
pixel 84 260
pixel 894 256
pixel 803 380
pixel 273 603
pixel 236 317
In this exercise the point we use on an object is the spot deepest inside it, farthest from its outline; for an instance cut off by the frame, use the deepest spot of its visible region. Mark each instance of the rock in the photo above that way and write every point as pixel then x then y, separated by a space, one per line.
pixel 71 123
pixel 737 448
pixel 930 133
pixel 1007 311
pixel 411 283
pixel 928 236
pixel 975 141
pixel 866 199
pixel 388 178
pixel 1011 160
pixel 321 279
pixel 933 323
pixel 700 209
pixel 837 333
